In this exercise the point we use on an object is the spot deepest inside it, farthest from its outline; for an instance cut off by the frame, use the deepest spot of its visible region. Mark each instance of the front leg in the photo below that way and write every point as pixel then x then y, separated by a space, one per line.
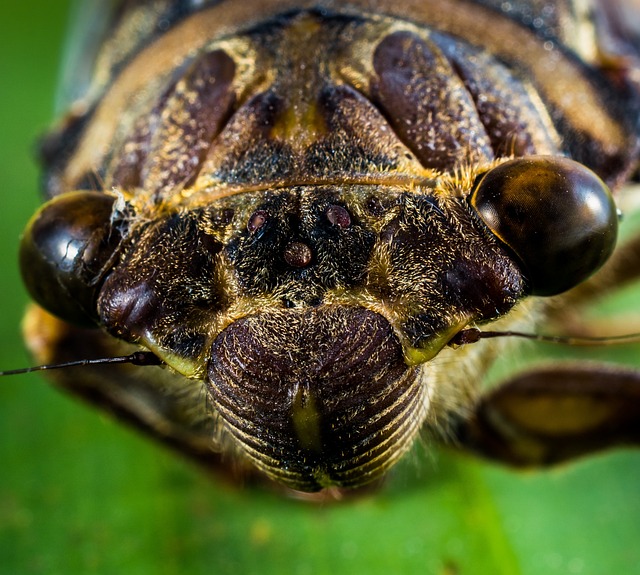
pixel 152 399
pixel 555 414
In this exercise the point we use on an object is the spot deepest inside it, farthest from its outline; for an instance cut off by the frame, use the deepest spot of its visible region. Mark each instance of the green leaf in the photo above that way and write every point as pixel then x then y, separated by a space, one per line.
pixel 80 494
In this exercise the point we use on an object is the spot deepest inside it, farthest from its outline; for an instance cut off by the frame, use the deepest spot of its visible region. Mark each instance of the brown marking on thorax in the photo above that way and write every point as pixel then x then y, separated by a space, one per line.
pixel 561 82
pixel 307 125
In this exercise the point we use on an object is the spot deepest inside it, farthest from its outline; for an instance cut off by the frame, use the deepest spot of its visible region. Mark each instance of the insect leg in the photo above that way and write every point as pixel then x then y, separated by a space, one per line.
pixel 555 414
pixel 151 399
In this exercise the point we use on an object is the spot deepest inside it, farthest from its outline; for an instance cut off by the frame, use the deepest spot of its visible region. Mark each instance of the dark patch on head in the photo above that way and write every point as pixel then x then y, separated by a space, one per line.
pixel 299 247
pixel 166 289
pixel 445 268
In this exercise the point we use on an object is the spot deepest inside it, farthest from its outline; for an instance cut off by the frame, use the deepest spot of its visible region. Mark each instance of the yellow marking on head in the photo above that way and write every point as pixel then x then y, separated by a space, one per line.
pixel 306 419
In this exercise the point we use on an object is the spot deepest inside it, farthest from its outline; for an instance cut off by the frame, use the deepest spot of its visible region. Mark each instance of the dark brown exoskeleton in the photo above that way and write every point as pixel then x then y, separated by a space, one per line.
pixel 303 209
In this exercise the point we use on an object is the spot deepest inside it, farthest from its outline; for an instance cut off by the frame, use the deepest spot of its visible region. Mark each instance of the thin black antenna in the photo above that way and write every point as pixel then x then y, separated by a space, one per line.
pixel 137 358
pixel 472 335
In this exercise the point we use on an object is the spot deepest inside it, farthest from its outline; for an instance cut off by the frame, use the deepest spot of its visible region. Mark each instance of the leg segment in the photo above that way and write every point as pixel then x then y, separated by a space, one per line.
pixel 556 414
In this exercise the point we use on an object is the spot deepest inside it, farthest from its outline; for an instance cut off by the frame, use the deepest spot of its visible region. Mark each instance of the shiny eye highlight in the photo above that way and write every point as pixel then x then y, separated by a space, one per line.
pixel 556 216
pixel 63 251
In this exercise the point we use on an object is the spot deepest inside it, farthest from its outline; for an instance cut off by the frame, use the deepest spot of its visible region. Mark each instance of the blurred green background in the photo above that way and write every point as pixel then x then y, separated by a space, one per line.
pixel 79 494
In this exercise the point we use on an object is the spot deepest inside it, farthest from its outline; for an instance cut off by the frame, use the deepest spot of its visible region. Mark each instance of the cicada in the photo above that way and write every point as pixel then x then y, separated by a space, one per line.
pixel 299 222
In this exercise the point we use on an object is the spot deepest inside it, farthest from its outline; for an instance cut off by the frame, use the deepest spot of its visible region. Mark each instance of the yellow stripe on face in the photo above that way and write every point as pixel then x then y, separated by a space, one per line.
pixel 306 419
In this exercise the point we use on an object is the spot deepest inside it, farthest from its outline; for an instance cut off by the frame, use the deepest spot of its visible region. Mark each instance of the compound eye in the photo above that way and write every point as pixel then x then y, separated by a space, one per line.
pixel 555 215
pixel 63 252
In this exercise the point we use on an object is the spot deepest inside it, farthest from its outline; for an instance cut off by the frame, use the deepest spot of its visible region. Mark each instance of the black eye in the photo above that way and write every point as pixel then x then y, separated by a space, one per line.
pixel 63 251
pixel 555 214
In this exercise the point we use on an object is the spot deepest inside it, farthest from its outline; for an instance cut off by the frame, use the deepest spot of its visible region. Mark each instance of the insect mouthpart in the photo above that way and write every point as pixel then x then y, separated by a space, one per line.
pixel 317 397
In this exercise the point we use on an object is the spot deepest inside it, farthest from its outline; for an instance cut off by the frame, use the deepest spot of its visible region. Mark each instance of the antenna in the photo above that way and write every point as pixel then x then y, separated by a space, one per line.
pixel 472 335
pixel 142 358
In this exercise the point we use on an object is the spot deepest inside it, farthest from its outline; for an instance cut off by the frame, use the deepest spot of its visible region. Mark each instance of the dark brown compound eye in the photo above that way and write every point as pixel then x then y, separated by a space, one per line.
pixel 63 252
pixel 556 215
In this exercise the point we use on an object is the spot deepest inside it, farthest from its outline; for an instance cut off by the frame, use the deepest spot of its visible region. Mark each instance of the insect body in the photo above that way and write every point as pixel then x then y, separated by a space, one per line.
pixel 296 206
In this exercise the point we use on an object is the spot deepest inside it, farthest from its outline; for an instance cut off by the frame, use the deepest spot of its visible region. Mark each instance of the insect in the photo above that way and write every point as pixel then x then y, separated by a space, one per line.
pixel 298 220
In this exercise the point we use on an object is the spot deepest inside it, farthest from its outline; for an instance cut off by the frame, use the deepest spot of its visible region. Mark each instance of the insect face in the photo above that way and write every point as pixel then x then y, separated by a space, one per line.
pixel 298 213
